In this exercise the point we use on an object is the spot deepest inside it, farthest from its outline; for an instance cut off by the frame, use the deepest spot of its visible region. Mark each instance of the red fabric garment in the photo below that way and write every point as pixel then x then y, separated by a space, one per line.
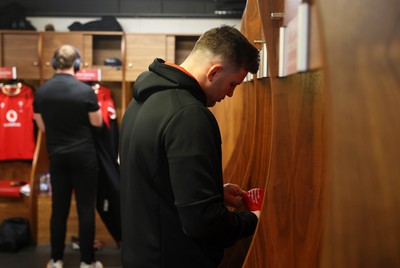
pixel 254 198
pixel 106 103
pixel 10 188
pixel 17 135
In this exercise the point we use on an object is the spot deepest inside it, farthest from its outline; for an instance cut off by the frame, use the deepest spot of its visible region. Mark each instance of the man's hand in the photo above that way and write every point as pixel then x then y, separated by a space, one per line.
pixel 233 195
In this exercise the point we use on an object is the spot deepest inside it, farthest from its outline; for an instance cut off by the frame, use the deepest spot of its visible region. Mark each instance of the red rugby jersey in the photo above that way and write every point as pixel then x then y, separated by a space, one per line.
pixel 17 137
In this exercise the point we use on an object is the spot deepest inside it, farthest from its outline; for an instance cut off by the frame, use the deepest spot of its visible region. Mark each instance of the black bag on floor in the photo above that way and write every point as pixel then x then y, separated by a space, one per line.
pixel 14 234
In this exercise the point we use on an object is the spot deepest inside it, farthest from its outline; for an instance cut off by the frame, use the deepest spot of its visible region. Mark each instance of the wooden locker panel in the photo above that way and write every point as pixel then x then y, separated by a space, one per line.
pixel 141 50
pixel 1 49
pixel 362 59
pixel 291 222
pixel 245 123
pixel 171 48
pixel 21 49
pixel 52 41
pixel 280 147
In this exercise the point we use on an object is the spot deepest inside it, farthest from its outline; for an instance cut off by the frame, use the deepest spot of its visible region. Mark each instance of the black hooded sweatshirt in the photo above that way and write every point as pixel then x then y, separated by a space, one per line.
pixel 173 212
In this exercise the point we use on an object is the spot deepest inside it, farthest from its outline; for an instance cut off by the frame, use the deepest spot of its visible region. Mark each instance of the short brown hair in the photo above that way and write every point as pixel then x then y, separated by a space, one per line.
pixel 65 57
pixel 229 43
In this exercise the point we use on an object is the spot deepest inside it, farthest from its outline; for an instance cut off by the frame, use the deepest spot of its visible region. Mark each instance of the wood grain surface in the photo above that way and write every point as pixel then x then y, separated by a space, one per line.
pixel 362 58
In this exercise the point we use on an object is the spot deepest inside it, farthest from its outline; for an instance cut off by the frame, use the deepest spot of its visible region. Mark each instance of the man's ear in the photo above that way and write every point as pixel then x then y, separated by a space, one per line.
pixel 213 71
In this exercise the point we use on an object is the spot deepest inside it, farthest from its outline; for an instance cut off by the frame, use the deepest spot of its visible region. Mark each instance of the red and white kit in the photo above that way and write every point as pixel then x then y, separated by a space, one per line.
pixel 17 137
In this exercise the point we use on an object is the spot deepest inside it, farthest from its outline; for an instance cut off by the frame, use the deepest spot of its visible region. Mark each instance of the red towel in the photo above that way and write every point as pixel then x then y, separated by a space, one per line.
pixel 11 188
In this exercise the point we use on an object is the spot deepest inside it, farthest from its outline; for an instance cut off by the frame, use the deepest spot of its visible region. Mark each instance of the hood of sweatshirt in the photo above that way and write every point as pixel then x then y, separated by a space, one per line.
pixel 164 77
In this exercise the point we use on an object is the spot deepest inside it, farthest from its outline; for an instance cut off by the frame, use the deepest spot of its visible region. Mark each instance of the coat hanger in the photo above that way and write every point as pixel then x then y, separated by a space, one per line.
pixel 95 86
pixel 11 87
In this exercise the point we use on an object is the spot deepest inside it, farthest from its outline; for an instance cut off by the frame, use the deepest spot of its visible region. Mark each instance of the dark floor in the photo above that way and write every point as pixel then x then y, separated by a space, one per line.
pixel 37 257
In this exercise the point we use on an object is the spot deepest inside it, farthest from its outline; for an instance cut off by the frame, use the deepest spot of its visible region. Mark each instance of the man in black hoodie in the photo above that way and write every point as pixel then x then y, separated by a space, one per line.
pixel 173 198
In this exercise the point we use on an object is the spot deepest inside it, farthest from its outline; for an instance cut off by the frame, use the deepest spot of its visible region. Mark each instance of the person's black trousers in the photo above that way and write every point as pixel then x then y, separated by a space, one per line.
pixel 73 173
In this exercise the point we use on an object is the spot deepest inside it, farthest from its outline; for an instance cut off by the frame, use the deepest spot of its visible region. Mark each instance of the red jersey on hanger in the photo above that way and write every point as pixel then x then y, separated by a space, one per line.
pixel 17 137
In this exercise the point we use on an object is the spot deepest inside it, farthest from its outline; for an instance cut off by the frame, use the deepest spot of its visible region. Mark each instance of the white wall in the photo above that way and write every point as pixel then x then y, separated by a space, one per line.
pixel 142 25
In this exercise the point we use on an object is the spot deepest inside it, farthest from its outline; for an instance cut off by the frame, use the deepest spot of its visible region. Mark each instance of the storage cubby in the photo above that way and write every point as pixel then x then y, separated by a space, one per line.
pixel 107 47
pixel 22 50
pixel 183 46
